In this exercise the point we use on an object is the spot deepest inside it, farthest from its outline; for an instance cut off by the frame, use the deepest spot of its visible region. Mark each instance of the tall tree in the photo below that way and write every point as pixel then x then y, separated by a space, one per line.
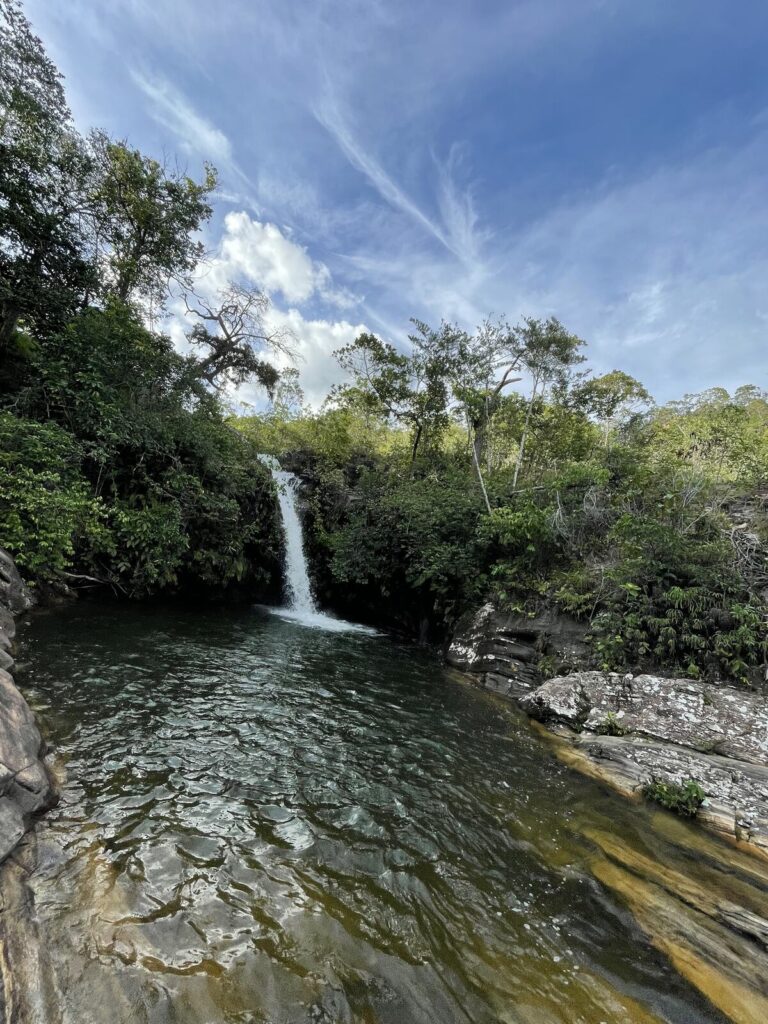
pixel 411 390
pixel 548 352
pixel 146 218
pixel 612 397
pixel 44 268
pixel 482 365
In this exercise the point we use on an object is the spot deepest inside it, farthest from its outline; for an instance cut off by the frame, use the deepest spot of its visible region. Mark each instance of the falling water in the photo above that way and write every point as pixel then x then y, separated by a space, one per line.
pixel 300 602
pixel 299 589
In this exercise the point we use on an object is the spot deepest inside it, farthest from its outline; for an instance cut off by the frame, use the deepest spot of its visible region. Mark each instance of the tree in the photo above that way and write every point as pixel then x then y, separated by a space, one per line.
pixel 145 219
pixel 410 390
pixel 44 267
pixel 497 356
pixel 287 401
pixel 548 353
pixel 611 398
pixel 232 328
pixel 483 365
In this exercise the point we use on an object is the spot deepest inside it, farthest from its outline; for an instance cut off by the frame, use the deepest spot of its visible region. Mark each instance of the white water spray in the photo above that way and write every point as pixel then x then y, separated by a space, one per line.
pixel 301 604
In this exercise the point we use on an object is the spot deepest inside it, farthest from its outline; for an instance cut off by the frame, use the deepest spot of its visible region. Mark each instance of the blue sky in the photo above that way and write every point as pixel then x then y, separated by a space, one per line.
pixel 603 161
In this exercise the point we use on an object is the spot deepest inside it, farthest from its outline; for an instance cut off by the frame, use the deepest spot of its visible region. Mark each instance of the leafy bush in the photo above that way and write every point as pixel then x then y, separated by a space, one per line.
pixel 413 544
pixel 675 598
pixel 46 505
pixel 684 799
pixel 141 484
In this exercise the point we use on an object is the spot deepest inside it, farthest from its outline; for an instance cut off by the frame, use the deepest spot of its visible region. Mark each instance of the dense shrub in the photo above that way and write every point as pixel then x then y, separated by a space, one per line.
pixel 683 798
pixel 46 505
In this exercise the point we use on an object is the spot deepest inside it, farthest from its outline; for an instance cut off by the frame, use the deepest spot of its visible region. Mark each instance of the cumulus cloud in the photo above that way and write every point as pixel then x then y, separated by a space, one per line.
pixel 260 254
pixel 316 341
pixel 264 256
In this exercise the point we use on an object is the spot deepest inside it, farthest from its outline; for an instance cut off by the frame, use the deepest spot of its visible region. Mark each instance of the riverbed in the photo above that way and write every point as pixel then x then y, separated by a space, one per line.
pixel 266 823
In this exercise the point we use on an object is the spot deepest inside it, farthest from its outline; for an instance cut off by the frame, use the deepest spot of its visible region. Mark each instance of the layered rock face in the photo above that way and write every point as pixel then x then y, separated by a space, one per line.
pixel 25 785
pixel 626 731
pixel 505 650
pixel 632 729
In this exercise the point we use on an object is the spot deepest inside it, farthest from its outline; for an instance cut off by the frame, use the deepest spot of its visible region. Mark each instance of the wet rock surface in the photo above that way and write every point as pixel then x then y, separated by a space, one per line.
pixel 713 719
pixel 629 730
pixel 710 919
pixel 25 785
pixel 26 790
pixel 505 649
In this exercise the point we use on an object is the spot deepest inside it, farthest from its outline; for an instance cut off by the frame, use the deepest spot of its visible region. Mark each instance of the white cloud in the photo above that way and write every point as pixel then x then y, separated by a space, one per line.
pixel 261 254
pixel 316 341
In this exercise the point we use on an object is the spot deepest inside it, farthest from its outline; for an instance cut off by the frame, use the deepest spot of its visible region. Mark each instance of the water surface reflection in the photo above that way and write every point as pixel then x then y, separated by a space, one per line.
pixel 268 823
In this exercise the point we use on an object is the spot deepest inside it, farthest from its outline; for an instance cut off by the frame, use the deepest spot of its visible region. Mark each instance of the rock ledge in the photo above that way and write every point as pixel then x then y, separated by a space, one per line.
pixel 627 730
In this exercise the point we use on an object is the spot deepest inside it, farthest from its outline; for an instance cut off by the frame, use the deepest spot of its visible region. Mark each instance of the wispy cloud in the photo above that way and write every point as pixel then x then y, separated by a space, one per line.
pixel 583 166
pixel 173 111
pixel 458 212
pixel 329 115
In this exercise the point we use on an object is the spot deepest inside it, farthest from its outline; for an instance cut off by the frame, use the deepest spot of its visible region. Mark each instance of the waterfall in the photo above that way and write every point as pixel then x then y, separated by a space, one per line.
pixel 300 603
pixel 299 589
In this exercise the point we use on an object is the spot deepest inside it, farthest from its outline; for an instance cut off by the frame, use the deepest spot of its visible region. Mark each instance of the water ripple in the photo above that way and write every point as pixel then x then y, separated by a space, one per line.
pixel 267 823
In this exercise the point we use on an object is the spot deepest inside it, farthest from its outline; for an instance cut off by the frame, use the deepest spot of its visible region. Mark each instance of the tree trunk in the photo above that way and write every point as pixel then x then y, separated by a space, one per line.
pixel 521 452
pixel 416 441
pixel 478 470
pixel 10 317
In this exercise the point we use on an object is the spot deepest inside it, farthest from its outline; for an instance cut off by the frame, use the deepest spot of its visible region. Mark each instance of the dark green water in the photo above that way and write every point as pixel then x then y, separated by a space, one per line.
pixel 268 823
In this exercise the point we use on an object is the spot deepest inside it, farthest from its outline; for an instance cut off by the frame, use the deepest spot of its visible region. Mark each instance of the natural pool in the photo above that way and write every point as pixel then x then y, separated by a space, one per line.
pixel 264 822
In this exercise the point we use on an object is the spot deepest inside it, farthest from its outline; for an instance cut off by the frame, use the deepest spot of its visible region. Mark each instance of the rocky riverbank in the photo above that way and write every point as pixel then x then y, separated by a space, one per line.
pixel 26 790
pixel 26 786
pixel 629 730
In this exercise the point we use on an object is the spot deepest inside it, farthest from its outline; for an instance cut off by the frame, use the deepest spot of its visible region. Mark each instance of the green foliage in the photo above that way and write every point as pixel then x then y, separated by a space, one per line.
pixel 411 391
pixel 44 267
pixel 180 495
pixel 46 506
pixel 610 726
pixel 335 438
pixel 414 542
pixel 684 799
pixel 432 484
pixel 675 597
pixel 146 219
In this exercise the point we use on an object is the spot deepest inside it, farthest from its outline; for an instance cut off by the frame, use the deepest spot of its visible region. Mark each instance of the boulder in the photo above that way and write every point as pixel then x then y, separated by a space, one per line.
pixel 23 775
pixel 714 718
pixel 26 788
pixel 15 596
